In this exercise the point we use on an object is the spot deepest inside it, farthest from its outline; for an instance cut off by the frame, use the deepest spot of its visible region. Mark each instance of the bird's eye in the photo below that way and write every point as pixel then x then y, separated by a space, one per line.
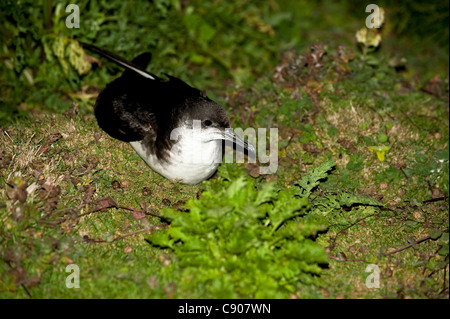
pixel 207 123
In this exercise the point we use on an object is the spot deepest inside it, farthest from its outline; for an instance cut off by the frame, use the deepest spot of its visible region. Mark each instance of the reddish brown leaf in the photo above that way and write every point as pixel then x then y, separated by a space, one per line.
pixel 146 191
pixel 253 170
pixel 179 205
pixel 115 184
pixel 138 214
pixel 33 281
pixel 17 192
pixel 106 202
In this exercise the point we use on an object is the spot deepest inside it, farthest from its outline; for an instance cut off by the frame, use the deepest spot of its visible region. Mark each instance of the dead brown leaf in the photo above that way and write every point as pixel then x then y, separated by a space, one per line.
pixel 138 214
pixel 253 170
pixel 88 193
pixel 311 148
pixel 17 192
pixel 105 203
pixel 33 281
pixel 146 191
pixel 115 184
pixel 5 159
pixel 10 255
pixel 73 111
pixel 179 205
pixel 287 161
pixel 125 183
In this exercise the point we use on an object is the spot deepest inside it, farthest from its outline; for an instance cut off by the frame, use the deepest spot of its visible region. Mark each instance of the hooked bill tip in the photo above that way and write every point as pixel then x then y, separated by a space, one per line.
pixel 231 136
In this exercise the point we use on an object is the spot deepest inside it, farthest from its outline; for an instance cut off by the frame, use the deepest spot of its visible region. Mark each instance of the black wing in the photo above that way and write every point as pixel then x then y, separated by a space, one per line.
pixel 128 108
pixel 123 109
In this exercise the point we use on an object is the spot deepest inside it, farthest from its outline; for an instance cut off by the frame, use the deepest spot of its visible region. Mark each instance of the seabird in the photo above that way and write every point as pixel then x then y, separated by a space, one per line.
pixel 175 128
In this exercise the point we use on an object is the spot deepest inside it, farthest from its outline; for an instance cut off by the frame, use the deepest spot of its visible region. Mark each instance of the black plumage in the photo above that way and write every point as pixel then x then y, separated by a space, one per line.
pixel 140 106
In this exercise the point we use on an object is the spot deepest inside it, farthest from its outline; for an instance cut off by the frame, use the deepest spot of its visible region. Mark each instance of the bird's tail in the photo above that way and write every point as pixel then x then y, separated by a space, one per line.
pixel 137 65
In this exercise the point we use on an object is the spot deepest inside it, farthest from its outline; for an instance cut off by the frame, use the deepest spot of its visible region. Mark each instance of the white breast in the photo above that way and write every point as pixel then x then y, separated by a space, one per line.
pixel 191 160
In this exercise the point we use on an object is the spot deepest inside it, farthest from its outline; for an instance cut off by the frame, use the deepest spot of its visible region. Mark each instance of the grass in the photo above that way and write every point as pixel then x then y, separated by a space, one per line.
pixel 84 165
pixel 55 167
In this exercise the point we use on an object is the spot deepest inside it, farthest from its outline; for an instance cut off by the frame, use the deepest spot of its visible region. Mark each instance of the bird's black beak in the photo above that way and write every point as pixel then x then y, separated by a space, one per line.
pixel 231 136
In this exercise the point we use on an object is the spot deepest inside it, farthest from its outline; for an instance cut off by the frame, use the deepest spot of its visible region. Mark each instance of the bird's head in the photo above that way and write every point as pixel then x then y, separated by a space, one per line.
pixel 211 123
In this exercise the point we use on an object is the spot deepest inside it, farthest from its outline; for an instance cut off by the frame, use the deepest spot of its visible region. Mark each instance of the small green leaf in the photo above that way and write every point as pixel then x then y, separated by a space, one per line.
pixel 435 234
pixel 443 251
pixel 382 138
pixel 411 224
